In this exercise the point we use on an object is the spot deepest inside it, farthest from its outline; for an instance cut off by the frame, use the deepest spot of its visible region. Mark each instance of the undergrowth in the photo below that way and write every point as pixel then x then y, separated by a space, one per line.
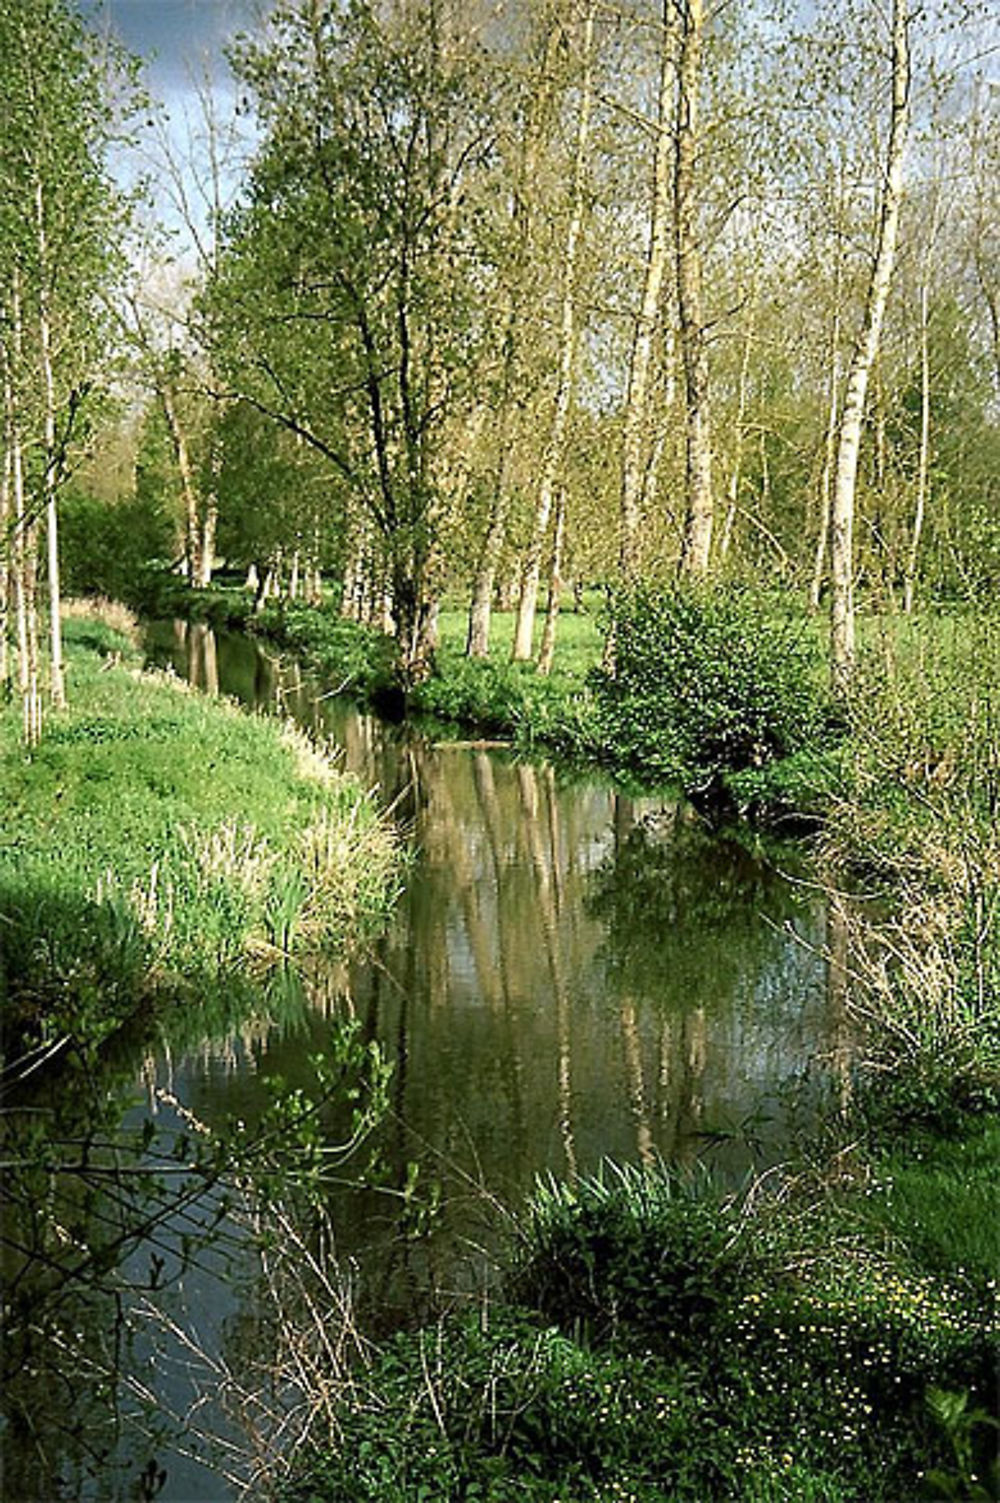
pixel 657 1341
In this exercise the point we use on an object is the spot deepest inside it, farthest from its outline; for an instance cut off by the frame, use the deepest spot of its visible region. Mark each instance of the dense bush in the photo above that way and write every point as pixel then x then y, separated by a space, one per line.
pixel 105 548
pixel 707 683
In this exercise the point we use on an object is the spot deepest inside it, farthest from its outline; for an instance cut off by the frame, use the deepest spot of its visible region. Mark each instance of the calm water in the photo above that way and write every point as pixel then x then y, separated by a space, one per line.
pixel 570 974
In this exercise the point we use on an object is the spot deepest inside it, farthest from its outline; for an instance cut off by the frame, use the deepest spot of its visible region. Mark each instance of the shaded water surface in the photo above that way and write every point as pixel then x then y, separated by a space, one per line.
pixel 570 974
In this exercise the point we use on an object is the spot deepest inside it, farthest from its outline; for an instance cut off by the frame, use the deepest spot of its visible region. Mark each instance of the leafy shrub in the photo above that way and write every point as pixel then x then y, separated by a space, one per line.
pixel 706 683
pixel 492 696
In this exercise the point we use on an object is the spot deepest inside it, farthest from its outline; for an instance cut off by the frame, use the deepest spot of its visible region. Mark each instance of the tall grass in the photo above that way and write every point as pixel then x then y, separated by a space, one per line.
pixel 153 838
pixel 918 819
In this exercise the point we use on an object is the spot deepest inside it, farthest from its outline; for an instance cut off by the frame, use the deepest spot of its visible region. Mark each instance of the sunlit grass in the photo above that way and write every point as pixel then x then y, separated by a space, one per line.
pixel 154 835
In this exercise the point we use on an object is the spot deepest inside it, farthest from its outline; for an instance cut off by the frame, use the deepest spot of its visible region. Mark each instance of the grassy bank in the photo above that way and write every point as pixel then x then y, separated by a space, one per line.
pixel 158 845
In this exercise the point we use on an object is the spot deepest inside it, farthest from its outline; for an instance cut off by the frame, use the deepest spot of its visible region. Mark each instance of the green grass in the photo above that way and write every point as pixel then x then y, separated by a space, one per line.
pixel 157 842
pixel 937 1196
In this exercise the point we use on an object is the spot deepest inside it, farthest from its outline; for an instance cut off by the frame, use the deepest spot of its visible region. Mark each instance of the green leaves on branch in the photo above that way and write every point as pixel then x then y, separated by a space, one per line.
pixel 707 683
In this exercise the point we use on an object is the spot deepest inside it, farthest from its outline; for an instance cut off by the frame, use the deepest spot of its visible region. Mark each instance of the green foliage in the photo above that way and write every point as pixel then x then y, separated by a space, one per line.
pixel 706 683
pixel 356 659
pixel 656 1252
pixel 975 1475
pixel 105 547
pixel 160 843
pixel 923 785
pixel 508 699
pixel 668 1343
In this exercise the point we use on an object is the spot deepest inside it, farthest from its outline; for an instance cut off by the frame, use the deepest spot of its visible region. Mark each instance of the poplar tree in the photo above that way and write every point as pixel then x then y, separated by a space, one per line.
pixel 57 221
pixel 866 349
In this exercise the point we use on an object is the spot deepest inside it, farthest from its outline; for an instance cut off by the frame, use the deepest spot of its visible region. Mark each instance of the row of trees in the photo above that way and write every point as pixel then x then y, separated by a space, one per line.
pixel 618 284
pixel 506 294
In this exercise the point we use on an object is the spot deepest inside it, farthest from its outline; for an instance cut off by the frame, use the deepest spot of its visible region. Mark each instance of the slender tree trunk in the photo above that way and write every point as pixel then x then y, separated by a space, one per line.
pixel 829 459
pixel 635 419
pixel 206 543
pixel 188 492
pixel 548 648
pixel 353 570
pixel 57 679
pixel 842 653
pixel 481 606
pixel 742 401
pixel 25 548
pixel 26 596
pixel 552 454
pixel 314 574
pixel 696 542
pixel 477 641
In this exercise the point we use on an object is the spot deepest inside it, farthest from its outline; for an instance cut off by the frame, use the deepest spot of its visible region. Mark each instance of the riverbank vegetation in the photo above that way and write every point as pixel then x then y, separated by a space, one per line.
pixel 169 865
pixel 693 310
pixel 663 1341
pixel 158 845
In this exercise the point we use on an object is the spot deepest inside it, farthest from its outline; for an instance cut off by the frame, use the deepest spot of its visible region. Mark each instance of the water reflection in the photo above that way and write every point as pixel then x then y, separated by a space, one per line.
pixel 570 973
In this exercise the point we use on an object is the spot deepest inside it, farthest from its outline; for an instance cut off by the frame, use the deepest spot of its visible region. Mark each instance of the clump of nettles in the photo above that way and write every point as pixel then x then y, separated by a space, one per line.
pixel 706 684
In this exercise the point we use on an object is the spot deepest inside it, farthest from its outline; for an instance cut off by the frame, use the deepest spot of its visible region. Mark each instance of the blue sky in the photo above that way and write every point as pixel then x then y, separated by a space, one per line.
pixel 174 36
pixel 181 43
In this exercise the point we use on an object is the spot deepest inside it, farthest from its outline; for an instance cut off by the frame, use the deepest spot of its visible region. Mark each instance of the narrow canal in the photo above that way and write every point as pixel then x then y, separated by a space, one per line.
pixel 570 974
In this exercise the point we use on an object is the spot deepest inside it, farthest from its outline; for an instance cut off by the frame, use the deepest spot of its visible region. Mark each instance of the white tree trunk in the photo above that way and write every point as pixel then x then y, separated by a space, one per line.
pixel 924 453
pixel 696 542
pixel 829 460
pixel 547 651
pixel 842 654
pixel 6 481
pixel 635 419
pixel 477 643
pixel 192 521
pixel 742 402
pixel 553 452
pixel 57 680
